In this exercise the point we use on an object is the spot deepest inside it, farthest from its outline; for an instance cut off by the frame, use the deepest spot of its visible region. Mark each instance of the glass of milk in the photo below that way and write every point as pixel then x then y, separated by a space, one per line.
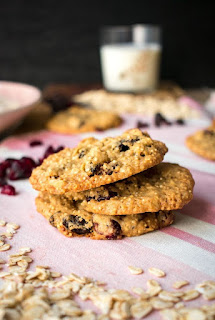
pixel 130 57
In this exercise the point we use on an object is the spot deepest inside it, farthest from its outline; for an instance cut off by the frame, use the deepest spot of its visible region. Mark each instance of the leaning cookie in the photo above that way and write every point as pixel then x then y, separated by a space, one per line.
pixel 166 186
pixel 78 120
pixel 203 142
pixel 98 162
pixel 72 222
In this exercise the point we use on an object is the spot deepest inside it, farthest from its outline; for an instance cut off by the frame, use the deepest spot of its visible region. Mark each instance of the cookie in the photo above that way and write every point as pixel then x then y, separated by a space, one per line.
pixel 203 142
pixel 147 104
pixel 63 215
pixel 98 162
pixel 77 120
pixel 166 186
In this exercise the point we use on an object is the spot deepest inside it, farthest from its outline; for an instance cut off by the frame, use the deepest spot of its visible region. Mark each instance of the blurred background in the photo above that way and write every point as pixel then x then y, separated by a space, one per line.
pixel 51 41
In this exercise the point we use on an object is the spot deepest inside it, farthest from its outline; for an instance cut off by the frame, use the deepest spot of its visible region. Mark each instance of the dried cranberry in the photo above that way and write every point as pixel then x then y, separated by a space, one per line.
pixel 58 149
pixel 21 169
pixel 4 166
pixel 180 122
pixel 49 150
pixel 159 120
pixel 116 230
pixel 9 190
pixel 2 182
pixel 35 143
pixel 141 124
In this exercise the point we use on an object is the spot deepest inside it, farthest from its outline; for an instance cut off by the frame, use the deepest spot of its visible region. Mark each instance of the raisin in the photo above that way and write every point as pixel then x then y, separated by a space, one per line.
pixel 209 132
pixel 55 177
pixel 89 198
pixel 82 122
pixel 81 154
pixel 111 194
pixel 81 231
pixel 65 223
pixel 141 124
pixel 35 143
pixel 79 221
pixel 134 140
pixel 127 182
pixel 51 221
pixel 109 172
pixel 123 147
pixel 97 170
pixel 100 198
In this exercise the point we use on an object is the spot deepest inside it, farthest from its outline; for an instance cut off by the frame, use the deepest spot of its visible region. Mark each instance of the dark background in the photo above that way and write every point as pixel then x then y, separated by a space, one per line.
pixel 42 42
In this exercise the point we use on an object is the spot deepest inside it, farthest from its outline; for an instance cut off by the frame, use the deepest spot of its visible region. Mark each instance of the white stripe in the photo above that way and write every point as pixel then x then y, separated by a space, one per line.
pixel 8 153
pixel 177 148
pixel 191 163
pixel 180 250
pixel 195 227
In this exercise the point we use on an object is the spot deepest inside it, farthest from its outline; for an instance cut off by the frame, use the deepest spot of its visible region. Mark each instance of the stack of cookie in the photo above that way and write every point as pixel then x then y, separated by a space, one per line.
pixel 110 188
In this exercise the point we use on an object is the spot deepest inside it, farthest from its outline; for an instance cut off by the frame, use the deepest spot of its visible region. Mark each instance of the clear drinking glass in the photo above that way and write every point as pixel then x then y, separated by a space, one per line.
pixel 130 57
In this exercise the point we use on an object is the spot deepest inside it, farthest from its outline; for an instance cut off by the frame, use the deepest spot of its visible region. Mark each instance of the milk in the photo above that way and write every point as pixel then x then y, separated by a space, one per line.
pixel 130 67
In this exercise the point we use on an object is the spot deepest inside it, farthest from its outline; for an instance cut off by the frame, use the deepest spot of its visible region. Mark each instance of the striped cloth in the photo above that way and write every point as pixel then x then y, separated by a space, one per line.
pixel 185 250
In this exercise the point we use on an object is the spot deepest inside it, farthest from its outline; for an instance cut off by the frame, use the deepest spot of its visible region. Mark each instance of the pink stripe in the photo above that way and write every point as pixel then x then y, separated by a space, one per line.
pixel 196 241
pixel 192 103
pixel 201 210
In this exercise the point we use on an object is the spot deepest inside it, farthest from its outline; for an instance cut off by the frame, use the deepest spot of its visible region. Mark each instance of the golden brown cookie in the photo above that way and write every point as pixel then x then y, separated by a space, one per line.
pixel 98 162
pixel 203 142
pixel 161 101
pixel 63 214
pixel 77 120
pixel 166 186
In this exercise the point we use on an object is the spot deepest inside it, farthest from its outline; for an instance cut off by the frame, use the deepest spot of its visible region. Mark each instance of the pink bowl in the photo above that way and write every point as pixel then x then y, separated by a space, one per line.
pixel 26 97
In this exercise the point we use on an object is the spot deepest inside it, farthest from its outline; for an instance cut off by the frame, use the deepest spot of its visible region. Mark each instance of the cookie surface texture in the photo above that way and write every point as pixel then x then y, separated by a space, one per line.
pixel 77 120
pixel 72 222
pixel 166 186
pixel 98 162
pixel 203 142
